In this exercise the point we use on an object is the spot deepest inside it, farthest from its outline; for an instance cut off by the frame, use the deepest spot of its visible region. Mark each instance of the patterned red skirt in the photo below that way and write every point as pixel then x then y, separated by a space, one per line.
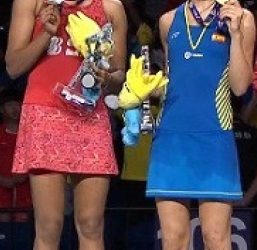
pixel 57 140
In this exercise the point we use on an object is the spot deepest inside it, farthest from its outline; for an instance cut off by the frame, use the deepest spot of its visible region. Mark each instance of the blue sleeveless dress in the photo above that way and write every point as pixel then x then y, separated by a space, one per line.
pixel 193 152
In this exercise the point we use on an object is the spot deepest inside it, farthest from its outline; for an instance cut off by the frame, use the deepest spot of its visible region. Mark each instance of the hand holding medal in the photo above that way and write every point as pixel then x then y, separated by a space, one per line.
pixel 50 17
pixel 232 13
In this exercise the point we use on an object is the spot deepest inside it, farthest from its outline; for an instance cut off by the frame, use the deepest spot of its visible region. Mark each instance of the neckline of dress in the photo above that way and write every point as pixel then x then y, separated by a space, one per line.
pixel 81 5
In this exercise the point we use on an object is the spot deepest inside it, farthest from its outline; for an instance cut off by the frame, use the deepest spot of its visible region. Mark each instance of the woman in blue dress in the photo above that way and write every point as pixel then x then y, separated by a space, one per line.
pixel 209 52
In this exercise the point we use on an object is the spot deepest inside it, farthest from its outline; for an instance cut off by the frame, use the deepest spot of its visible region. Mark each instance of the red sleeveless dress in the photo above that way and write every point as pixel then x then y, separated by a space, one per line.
pixel 51 137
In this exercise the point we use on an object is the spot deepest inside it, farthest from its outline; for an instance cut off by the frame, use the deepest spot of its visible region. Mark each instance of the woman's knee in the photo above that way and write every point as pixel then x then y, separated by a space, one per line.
pixel 177 239
pixel 215 220
pixel 89 226
pixel 175 224
pixel 49 228
pixel 216 239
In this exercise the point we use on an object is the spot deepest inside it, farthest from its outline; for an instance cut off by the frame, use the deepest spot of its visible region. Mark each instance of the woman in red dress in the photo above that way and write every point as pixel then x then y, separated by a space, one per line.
pixel 54 142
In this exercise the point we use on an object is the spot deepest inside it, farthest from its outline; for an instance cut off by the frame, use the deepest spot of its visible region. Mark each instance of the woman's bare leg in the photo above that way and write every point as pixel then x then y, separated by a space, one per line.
pixel 175 224
pixel 48 202
pixel 90 195
pixel 215 218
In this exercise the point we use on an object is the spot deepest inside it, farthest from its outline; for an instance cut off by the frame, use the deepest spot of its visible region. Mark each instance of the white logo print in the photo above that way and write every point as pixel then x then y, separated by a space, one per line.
pixel 175 35
pixel 188 55
pixel 56 47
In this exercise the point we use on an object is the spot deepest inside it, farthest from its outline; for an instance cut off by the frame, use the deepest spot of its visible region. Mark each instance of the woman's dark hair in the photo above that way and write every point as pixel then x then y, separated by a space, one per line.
pixel 10 94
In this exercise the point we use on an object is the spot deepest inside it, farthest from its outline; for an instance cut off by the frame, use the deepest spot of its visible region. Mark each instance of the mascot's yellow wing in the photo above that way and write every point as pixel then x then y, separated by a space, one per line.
pixel 80 27
pixel 139 85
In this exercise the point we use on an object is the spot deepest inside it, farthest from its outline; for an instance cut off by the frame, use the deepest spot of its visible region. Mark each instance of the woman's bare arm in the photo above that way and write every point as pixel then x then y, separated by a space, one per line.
pixel 165 23
pixel 116 14
pixel 23 52
pixel 242 31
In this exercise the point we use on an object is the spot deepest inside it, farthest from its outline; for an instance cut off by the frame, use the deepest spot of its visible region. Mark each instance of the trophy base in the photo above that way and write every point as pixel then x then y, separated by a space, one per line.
pixel 73 98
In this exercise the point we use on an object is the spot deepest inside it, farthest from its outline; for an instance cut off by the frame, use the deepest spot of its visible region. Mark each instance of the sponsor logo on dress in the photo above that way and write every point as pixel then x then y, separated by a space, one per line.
pixel 175 35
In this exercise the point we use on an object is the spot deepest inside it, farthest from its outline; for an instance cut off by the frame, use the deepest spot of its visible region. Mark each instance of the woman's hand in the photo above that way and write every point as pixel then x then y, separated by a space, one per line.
pixel 103 76
pixel 232 13
pixel 50 18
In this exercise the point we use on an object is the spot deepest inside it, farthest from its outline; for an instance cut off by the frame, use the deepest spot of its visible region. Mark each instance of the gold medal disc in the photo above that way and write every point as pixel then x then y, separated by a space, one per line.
pixel 222 2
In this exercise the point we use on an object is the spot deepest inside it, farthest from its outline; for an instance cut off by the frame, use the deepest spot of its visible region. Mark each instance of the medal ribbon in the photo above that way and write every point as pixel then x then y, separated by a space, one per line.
pixel 215 12
pixel 222 27
pixel 192 44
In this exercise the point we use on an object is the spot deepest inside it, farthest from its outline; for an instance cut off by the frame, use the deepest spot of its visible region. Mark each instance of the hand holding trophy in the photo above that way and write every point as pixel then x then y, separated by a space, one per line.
pixel 95 46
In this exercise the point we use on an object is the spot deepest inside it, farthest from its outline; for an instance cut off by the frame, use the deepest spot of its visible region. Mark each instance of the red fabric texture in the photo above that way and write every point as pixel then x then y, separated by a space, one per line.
pixel 62 141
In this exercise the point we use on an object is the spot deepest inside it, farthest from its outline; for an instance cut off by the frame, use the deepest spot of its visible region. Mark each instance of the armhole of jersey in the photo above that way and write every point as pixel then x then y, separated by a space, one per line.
pixel 107 17
pixel 171 24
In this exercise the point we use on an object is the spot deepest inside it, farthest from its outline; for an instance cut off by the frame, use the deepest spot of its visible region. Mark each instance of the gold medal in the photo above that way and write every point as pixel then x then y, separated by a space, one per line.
pixel 222 2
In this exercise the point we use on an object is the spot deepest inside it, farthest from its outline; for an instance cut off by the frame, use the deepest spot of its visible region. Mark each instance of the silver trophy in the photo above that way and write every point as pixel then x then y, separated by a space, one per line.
pixel 83 90
pixel 147 123
pixel 98 56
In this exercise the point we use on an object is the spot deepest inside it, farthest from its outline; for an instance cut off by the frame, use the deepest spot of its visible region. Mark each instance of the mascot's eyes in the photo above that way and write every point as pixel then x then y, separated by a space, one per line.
pixel 127 88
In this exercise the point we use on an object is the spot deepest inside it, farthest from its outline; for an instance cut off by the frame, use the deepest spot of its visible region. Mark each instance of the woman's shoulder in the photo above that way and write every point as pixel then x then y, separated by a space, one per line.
pixel 113 5
pixel 166 19
pixel 114 10
pixel 27 5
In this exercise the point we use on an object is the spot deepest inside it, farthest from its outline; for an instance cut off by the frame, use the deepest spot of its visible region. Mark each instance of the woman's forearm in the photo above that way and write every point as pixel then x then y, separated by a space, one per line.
pixel 240 71
pixel 22 60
